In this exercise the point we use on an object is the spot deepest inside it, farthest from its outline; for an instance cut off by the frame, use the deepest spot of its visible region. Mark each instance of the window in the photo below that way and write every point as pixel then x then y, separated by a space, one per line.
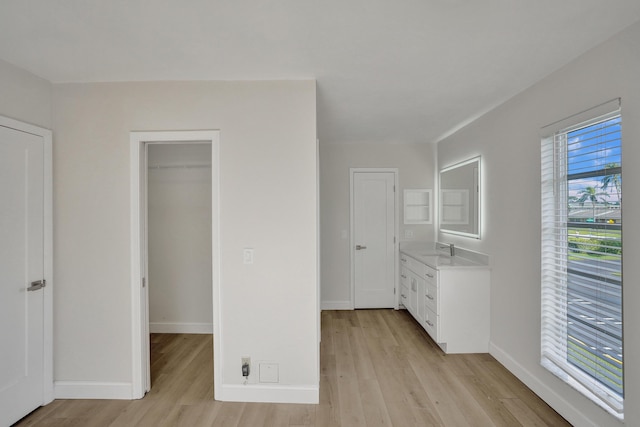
pixel 582 337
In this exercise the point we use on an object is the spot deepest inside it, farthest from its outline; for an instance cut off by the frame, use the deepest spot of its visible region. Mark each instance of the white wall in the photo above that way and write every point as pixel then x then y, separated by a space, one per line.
pixel 267 202
pixel 179 234
pixel 508 140
pixel 416 169
pixel 24 96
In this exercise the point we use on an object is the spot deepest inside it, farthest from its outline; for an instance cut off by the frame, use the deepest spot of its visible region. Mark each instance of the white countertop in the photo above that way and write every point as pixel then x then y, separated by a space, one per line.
pixel 440 260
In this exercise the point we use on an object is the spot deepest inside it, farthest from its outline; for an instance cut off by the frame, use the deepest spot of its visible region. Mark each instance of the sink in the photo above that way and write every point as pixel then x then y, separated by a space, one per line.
pixel 435 254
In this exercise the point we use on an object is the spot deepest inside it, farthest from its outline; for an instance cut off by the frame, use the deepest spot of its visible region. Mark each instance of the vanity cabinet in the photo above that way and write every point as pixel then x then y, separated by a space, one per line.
pixel 450 302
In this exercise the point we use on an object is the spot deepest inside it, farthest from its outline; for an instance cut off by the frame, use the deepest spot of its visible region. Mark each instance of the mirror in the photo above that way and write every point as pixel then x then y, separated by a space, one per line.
pixel 460 198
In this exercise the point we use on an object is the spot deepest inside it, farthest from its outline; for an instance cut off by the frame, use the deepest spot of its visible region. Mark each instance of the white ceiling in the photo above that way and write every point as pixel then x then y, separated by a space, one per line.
pixel 386 70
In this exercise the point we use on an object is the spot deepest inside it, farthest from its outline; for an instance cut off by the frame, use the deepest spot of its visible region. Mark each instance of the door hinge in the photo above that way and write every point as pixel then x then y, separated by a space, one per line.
pixel 394 239
pixel 394 188
pixel 144 282
pixel 394 291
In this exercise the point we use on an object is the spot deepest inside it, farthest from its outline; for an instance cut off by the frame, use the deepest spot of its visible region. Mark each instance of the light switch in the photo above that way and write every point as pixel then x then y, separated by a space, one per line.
pixel 408 234
pixel 247 256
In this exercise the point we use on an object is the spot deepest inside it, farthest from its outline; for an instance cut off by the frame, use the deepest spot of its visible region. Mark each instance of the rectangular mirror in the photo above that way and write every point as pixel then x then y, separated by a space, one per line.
pixel 460 198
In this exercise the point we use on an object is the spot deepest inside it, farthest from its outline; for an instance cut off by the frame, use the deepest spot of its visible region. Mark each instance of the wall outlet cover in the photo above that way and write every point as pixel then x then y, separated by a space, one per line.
pixel 268 372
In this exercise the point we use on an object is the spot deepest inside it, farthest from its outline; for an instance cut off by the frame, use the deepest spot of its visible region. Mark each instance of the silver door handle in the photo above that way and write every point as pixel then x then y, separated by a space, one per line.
pixel 359 247
pixel 429 296
pixel 38 284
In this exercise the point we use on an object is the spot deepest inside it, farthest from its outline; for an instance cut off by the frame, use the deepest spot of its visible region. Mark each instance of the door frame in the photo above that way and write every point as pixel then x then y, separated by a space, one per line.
pixel 352 172
pixel 47 140
pixel 141 380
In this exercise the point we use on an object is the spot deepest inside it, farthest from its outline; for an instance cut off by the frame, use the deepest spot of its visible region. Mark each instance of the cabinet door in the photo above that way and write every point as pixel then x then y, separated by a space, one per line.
pixel 421 285
pixel 413 295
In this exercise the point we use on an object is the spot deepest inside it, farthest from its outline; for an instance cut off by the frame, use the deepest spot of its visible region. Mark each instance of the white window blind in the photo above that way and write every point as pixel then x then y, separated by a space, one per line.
pixel 581 255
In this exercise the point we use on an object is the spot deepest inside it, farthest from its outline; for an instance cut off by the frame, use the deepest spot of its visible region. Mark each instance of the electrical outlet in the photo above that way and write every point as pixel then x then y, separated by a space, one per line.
pixel 246 366
pixel 247 256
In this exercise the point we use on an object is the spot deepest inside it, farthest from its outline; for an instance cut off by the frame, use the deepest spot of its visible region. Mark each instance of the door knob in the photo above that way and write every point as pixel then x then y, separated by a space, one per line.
pixel 359 247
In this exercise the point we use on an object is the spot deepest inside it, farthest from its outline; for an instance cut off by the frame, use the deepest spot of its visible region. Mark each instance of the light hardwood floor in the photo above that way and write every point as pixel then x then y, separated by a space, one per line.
pixel 378 368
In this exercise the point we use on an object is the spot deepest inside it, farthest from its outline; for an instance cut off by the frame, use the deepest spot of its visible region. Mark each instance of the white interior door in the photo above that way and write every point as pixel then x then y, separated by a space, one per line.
pixel 374 245
pixel 22 265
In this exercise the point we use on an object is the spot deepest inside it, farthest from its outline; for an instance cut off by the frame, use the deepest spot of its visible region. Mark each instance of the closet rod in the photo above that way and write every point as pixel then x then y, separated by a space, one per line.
pixel 179 166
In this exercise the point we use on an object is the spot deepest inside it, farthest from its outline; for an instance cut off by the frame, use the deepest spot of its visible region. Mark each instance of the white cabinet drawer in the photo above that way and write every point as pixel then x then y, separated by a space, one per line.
pixel 430 274
pixel 405 277
pixel 404 260
pixel 431 297
pixel 431 324
pixel 404 296
pixel 412 264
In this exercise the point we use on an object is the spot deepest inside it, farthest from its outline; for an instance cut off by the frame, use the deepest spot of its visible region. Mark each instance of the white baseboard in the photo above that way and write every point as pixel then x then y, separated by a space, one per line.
pixel 553 399
pixel 336 305
pixel 92 390
pixel 180 328
pixel 269 393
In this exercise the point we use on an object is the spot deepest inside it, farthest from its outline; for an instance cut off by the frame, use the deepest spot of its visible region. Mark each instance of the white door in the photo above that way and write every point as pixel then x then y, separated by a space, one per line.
pixel 21 268
pixel 374 245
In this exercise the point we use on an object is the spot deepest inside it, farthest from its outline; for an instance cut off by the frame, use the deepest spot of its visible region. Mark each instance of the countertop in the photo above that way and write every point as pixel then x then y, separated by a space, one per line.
pixel 440 260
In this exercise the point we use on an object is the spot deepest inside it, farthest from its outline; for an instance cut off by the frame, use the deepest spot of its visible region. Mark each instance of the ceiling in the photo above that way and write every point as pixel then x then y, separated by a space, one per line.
pixel 387 71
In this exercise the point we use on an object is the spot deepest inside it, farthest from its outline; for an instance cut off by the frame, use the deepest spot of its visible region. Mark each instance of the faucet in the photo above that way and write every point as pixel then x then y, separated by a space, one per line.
pixel 452 249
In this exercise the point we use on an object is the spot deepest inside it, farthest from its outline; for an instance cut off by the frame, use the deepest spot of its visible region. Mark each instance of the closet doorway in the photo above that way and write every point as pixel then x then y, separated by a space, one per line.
pixel 179 238
pixel 175 242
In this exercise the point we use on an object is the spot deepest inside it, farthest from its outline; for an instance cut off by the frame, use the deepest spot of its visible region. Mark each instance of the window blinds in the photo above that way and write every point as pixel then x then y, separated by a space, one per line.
pixel 581 256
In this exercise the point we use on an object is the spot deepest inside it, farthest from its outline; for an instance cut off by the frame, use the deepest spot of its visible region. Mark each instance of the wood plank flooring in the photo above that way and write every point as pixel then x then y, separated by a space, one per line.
pixel 378 368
